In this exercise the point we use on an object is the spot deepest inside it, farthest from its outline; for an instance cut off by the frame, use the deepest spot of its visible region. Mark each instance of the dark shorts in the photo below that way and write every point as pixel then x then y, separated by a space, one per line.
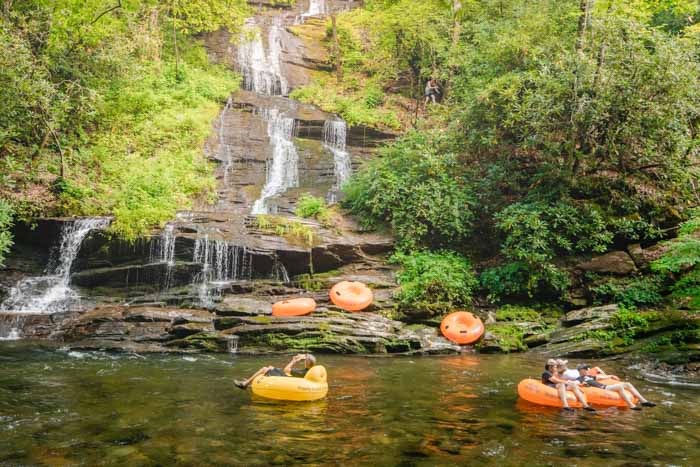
pixel 275 372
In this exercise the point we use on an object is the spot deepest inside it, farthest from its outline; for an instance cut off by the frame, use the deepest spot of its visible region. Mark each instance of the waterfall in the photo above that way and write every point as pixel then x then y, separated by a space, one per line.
pixel 221 263
pixel 262 70
pixel 232 344
pixel 283 170
pixel 316 8
pixel 224 148
pixel 11 325
pixel 163 252
pixel 335 140
pixel 52 292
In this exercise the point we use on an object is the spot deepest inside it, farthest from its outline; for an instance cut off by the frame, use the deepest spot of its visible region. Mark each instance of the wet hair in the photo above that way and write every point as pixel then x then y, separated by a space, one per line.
pixel 310 360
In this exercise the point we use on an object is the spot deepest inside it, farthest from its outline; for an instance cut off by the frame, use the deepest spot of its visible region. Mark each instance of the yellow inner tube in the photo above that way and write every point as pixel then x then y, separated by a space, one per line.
pixel 311 387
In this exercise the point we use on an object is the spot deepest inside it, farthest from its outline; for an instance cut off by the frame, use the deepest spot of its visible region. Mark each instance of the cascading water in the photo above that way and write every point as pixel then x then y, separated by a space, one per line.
pixel 221 263
pixel 261 69
pixel 283 170
pixel 11 325
pixel 335 140
pixel 224 148
pixel 164 253
pixel 316 8
pixel 52 293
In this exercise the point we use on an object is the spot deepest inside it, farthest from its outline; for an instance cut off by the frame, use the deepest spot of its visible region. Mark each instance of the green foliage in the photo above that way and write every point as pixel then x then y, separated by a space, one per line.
pixel 434 282
pixel 415 187
pixel 120 106
pixel 634 292
pixel 309 206
pixel 356 107
pixel 283 227
pixel 682 260
pixel 517 313
pixel 626 325
pixel 5 233
pixel 509 337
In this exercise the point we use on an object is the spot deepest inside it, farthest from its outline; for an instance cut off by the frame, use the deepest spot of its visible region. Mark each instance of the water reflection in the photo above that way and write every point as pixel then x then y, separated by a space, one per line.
pixel 97 409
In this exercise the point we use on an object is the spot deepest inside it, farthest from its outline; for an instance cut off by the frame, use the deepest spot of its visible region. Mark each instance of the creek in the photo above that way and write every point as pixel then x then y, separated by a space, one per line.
pixel 91 408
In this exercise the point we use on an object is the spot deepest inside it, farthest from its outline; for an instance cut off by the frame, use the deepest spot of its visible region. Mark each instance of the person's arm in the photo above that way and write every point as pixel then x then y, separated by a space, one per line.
pixel 556 379
pixel 604 376
pixel 288 369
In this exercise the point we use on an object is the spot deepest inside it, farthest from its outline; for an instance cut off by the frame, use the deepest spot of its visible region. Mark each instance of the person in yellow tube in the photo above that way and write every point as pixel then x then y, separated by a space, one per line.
pixel 289 370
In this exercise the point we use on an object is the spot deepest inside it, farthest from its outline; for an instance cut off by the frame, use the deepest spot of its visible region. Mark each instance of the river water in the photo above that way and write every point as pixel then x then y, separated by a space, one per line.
pixel 71 408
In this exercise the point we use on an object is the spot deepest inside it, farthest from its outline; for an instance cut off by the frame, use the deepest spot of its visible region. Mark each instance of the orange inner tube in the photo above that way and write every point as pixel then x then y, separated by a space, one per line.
pixel 294 307
pixel 462 327
pixel 534 391
pixel 351 296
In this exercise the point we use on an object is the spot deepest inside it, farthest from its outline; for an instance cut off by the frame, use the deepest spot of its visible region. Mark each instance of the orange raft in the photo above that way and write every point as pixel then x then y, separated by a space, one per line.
pixel 462 327
pixel 351 296
pixel 294 307
pixel 534 391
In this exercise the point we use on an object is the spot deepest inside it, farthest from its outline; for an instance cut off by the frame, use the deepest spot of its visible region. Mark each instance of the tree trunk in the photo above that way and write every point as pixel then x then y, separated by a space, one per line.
pixel 584 8
pixel 583 18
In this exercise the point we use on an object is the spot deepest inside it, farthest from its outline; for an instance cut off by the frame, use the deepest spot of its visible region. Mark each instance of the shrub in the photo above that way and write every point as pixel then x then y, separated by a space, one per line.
pixel 535 233
pixel 434 283
pixel 5 226
pixel 415 186
pixel 682 260
pixel 309 206
pixel 643 291
pixel 517 313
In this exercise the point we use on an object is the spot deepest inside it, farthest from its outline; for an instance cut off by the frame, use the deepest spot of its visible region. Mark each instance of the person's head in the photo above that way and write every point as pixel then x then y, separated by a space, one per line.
pixel 583 369
pixel 561 364
pixel 309 360
pixel 550 365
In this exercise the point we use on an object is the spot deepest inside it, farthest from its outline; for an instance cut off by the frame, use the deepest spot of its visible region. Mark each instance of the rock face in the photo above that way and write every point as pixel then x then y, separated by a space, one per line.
pixel 617 262
pixel 155 329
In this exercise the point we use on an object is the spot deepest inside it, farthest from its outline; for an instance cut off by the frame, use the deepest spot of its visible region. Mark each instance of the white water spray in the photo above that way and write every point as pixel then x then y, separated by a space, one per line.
pixel 221 263
pixel 316 8
pixel 224 148
pixel 335 140
pixel 283 170
pixel 52 293
pixel 262 69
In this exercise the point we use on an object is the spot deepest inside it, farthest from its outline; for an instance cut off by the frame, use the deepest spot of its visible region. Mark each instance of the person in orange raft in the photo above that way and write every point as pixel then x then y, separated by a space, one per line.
pixel 289 370
pixel 552 378
pixel 592 380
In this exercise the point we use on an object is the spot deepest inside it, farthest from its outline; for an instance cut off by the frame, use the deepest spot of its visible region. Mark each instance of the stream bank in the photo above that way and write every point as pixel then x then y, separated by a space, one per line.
pixel 206 281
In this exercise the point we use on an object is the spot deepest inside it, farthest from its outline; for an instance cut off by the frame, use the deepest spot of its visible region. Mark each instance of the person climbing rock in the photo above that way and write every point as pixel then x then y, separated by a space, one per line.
pixel 289 370
pixel 432 89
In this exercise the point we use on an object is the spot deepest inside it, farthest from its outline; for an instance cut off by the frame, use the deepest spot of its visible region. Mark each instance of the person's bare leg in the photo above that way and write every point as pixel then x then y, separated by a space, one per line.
pixel 561 388
pixel 635 393
pixel 245 383
pixel 620 389
pixel 581 396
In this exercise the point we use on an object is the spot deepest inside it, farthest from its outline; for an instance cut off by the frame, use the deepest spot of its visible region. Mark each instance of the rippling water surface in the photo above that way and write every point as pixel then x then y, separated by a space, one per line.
pixel 67 408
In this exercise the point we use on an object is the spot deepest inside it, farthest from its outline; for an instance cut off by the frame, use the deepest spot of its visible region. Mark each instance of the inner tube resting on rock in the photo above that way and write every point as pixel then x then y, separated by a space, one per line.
pixel 311 387
pixel 462 327
pixel 294 307
pixel 351 296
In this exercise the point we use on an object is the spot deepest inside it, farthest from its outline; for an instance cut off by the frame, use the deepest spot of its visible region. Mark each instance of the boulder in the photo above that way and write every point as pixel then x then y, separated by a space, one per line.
pixel 234 305
pixel 617 262
pixel 643 257
pixel 584 315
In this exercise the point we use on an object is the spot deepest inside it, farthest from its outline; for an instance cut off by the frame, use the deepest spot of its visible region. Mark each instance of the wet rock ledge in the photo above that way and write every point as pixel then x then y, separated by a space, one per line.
pixel 246 329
